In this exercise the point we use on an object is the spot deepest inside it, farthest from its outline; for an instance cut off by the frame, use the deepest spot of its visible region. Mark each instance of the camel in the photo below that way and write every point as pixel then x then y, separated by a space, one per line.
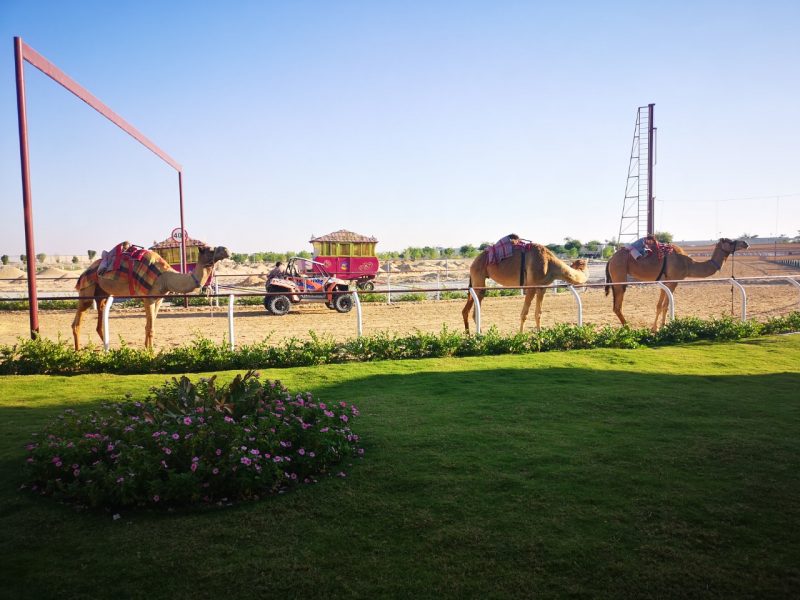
pixel 541 267
pixel 99 287
pixel 670 268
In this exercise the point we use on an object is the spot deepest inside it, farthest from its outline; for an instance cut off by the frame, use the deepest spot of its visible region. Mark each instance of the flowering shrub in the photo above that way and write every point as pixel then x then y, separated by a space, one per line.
pixel 192 443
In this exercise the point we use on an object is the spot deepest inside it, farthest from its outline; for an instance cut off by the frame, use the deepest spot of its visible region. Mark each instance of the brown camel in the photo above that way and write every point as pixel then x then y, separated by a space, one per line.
pixel 670 268
pixel 98 287
pixel 542 267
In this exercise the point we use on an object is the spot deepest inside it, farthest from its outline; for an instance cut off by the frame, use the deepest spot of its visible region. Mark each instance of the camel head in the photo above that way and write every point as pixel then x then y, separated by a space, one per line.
pixel 210 256
pixel 729 246
pixel 580 265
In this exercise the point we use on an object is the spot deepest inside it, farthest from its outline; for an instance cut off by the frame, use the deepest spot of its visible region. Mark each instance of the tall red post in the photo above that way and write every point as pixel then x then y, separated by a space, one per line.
pixel 22 117
pixel 651 230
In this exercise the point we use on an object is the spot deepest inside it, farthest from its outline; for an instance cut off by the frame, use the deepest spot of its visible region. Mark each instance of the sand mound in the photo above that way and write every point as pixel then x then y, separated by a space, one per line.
pixel 7 272
pixel 51 273
pixel 254 280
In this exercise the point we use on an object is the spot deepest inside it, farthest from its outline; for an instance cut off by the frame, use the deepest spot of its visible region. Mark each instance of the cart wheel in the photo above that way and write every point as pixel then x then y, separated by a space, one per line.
pixel 367 286
pixel 266 303
pixel 279 305
pixel 343 303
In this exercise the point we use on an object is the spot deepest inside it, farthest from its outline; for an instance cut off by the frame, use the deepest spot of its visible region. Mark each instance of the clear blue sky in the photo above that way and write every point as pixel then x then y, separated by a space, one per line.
pixel 421 123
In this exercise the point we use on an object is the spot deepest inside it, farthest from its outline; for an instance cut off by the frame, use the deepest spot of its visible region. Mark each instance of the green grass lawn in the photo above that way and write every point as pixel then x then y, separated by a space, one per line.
pixel 667 472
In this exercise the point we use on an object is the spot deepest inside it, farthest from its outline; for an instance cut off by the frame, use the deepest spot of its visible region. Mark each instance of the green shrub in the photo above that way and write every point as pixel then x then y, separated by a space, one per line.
pixel 45 357
pixel 192 443
pixel 451 295
pixel 411 297
pixel 372 297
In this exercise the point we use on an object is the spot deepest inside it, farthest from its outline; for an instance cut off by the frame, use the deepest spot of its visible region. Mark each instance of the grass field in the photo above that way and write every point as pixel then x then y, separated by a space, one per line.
pixel 671 472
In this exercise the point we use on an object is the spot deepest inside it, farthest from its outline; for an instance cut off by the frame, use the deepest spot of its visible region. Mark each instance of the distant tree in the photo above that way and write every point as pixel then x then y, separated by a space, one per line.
pixel 239 258
pixel 4 259
pixel 570 243
pixel 483 246
pixel 593 245
pixel 23 258
pixel 665 237
pixel 75 260
pixel 429 252
pixel 304 254
pixel 448 252
pixel 747 236
pixel 92 254
pixel 41 256
pixel 608 251
pixel 556 249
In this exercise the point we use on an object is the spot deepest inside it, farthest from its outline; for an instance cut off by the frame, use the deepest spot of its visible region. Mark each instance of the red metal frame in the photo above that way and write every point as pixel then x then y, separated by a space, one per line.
pixel 24 53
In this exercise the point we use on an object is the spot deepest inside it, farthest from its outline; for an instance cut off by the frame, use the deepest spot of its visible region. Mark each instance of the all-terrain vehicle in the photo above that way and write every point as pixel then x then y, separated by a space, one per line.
pixel 306 280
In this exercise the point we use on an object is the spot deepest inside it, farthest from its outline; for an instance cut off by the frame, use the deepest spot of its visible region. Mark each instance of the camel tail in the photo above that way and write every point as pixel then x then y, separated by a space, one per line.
pixel 608 280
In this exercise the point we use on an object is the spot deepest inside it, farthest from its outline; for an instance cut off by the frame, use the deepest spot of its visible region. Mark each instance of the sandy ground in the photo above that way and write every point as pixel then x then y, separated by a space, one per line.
pixel 175 326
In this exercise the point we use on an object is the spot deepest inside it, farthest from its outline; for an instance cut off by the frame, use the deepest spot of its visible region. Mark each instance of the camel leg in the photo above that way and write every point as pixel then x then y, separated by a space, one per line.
pixel 151 312
pixel 663 305
pixel 465 311
pixel 526 308
pixel 101 305
pixel 84 304
pixel 538 311
pixel 618 291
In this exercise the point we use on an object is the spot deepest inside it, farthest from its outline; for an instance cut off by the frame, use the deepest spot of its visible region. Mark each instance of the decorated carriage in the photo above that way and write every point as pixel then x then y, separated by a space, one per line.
pixel 348 256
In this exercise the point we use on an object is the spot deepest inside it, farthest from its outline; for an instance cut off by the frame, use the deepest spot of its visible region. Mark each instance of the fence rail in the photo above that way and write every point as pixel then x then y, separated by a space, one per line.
pixel 739 284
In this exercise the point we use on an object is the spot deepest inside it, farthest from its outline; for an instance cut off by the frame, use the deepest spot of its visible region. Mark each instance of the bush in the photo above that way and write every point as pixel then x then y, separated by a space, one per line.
pixel 192 443
pixel 47 357
pixel 412 297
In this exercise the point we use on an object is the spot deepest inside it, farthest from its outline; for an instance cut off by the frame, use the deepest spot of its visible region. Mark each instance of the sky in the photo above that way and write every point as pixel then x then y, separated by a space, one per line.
pixel 420 123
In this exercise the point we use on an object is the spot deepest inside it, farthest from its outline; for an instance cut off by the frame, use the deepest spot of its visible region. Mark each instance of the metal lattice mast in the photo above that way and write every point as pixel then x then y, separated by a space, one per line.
pixel 637 208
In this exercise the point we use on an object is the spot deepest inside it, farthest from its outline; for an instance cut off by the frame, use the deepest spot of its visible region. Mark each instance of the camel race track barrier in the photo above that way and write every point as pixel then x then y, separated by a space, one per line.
pixel 736 283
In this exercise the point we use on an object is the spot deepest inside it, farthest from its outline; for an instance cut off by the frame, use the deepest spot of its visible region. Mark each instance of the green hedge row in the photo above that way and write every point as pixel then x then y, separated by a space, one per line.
pixel 47 357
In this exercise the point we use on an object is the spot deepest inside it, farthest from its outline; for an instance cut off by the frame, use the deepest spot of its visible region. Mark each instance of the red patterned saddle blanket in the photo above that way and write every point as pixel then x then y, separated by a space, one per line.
pixel 139 267
pixel 504 248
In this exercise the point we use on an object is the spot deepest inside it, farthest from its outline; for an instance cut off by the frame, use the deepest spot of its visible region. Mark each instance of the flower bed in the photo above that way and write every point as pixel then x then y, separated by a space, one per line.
pixel 192 443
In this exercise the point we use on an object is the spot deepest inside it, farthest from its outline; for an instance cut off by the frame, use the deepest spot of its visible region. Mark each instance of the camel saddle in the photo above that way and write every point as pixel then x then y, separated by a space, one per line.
pixel 503 249
pixel 138 266
pixel 644 247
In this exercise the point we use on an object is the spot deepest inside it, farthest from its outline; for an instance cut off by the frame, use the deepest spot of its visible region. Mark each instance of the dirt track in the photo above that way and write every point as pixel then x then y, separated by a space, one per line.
pixel 176 325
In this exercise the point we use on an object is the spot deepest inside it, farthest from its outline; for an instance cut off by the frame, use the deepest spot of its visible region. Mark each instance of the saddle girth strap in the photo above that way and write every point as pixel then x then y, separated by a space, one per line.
pixel 663 268
pixel 522 269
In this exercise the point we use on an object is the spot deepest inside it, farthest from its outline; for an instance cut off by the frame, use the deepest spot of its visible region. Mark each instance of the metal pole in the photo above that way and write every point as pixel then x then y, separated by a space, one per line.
pixel 357 302
pixel 477 304
pixel 670 299
pixel 231 300
pixel 579 303
pixel 22 117
pixel 183 229
pixel 650 199
pixel 106 334
pixel 744 298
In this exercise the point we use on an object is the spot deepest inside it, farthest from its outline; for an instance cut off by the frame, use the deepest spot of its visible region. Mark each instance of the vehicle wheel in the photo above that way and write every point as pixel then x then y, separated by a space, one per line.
pixel 279 305
pixel 266 303
pixel 367 286
pixel 343 303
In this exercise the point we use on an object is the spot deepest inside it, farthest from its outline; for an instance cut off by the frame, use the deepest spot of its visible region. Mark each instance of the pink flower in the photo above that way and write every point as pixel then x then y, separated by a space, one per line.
pixel 58 464
pixel 167 451
pixel 193 467
pixel 156 498
pixel 322 405
pixel 195 459
pixel 215 470
pixel 328 413
pixel 120 480
pixel 218 451
pixel 302 451
pixel 176 436
pixel 56 459
pixel 187 420
pixel 228 419
pixel 323 430
pixel 245 461
pixel 110 448
pixel 76 472
pixel 343 418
